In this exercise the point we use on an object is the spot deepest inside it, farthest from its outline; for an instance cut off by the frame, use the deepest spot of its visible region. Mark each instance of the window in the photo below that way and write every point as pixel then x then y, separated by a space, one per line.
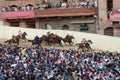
pixel 115 22
pixel 65 27
pixel 46 26
pixel 30 26
pixel 109 31
pixel 84 26
pixel 109 4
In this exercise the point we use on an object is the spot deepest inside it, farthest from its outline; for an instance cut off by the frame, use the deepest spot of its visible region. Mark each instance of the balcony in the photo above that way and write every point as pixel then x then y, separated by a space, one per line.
pixel 18 14
pixel 65 12
pixel 115 17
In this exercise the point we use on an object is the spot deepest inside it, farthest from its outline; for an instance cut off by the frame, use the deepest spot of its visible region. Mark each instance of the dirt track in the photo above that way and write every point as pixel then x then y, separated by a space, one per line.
pixel 43 45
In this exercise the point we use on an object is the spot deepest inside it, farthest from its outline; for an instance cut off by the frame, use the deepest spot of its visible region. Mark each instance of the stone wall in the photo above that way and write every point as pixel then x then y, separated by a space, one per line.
pixel 116 4
pixel 57 24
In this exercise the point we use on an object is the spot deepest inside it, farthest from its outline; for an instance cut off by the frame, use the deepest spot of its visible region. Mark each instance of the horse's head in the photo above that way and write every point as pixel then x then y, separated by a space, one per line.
pixel 52 34
pixel 72 37
pixel 44 37
pixel 90 42
pixel 24 33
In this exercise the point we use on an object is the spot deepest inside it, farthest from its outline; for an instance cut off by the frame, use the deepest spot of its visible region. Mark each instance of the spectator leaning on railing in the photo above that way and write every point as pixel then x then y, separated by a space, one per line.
pixel 49 5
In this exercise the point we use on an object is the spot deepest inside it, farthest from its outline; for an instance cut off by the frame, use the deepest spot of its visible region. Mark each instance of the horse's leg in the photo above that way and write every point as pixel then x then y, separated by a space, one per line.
pixel 65 43
pixel 40 43
pixel 52 43
pixel 90 47
pixel 48 42
pixel 70 43
pixel 9 42
pixel 60 43
pixel 17 42
pixel 25 40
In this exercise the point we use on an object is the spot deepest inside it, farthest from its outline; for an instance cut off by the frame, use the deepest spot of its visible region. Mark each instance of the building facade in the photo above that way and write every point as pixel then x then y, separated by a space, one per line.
pixel 109 17
pixel 78 15
pixel 102 18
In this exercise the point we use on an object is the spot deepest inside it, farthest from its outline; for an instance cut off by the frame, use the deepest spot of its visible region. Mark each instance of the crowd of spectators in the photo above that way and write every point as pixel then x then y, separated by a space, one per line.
pixel 38 63
pixel 49 5
pixel 114 11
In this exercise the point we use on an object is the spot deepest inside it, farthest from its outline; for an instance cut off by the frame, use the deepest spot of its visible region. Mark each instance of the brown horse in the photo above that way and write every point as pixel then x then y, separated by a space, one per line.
pixel 85 45
pixel 16 40
pixel 53 39
pixel 36 41
pixel 23 37
pixel 80 45
pixel 44 38
pixel 68 39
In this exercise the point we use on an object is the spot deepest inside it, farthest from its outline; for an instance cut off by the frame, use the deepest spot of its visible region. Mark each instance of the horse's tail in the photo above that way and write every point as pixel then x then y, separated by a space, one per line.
pixel 77 43
pixel 29 40
pixel 6 41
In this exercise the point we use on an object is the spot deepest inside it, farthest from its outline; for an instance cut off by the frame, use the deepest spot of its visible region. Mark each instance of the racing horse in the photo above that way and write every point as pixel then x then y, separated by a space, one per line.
pixel 44 38
pixel 53 39
pixel 23 36
pixel 36 42
pixel 14 40
pixel 80 45
pixel 85 44
pixel 68 39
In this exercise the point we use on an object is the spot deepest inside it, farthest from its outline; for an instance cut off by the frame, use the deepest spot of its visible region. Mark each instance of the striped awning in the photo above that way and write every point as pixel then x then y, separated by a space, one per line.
pixel 18 14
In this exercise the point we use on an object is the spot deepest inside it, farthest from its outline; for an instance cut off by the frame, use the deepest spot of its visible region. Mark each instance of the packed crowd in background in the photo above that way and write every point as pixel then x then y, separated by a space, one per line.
pixel 39 63
pixel 49 5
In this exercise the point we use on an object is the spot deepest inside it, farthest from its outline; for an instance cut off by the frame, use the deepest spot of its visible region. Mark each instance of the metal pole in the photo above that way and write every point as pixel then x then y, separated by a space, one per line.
pixel 98 15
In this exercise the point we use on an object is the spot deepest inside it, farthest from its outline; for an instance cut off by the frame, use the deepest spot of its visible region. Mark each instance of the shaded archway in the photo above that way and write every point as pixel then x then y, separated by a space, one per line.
pixel 64 0
pixel 46 26
pixel 109 31
pixel 13 5
pixel 29 6
pixel 13 23
pixel 65 27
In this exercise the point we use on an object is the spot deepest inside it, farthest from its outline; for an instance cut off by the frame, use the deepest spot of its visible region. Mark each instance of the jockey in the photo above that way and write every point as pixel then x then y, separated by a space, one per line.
pixel 36 39
pixel 20 33
pixel 67 36
pixel 13 37
pixel 84 41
